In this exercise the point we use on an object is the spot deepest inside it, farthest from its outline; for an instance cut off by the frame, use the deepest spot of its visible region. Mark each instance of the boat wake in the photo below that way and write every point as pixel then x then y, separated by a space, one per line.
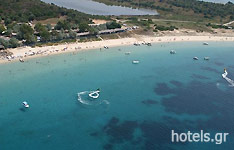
pixel 84 98
pixel 230 81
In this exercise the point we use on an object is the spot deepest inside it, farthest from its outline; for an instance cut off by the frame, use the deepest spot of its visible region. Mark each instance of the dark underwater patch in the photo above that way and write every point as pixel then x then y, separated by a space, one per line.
pixel 197 76
pixel 176 83
pixel 163 89
pixel 94 134
pixel 198 98
pixel 210 69
pixel 120 132
pixel 149 102
pixel 157 135
pixel 219 64
pixel 108 147
pixel 194 98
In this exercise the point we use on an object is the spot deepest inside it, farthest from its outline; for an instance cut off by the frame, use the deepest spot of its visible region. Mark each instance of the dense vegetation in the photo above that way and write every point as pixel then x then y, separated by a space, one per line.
pixel 20 23
pixel 181 9
pixel 164 28
pixel 29 10
pixel 218 26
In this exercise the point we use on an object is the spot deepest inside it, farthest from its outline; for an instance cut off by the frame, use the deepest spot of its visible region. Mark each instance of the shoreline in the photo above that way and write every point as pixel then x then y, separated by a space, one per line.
pixel 29 52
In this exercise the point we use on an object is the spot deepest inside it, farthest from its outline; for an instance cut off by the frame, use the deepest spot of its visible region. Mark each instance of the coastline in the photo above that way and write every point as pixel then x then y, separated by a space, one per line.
pixel 29 52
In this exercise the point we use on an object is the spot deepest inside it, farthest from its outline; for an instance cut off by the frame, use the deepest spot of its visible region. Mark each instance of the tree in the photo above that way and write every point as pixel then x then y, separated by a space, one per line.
pixel 93 31
pixel 16 28
pixel 113 25
pixel 8 32
pixel 14 42
pixel 39 27
pixel 5 43
pixel 2 28
pixel 59 36
pixel 62 25
pixel 30 39
pixel 26 29
pixel 83 27
pixel 31 17
pixel 7 21
pixel 45 36
pixel 72 34
pixel 49 27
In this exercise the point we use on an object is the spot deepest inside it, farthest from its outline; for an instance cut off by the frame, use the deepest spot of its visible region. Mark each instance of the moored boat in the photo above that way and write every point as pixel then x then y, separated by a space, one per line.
pixel 172 52
pixel 127 53
pixel 135 61
pixel 21 60
pixel 25 104
pixel 94 94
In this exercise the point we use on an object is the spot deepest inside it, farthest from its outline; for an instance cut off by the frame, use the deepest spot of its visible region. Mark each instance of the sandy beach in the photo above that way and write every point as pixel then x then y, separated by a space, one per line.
pixel 29 52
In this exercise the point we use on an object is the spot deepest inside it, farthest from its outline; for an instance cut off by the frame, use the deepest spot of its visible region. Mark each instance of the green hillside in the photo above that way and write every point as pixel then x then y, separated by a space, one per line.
pixel 192 10
pixel 28 10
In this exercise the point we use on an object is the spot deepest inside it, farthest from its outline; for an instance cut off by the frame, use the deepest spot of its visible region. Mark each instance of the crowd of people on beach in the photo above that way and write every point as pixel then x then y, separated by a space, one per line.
pixel 25 52
pixel 36 52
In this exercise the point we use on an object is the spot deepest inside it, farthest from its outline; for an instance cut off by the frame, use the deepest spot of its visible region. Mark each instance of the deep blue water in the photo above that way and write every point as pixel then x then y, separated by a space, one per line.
pixel 139 104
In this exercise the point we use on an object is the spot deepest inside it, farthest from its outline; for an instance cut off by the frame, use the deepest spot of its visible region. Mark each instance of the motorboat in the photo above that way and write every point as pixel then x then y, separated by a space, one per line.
pixel 21 60
pixel 224 75
pixel 25 104
pixel 205 43
pixel 206 58
pixel 106 47
pixel 172 52
pixel 230 81
pixel 148 44
pixel 195 58
pixel 135 61
pixel 94 94
pixel 127 53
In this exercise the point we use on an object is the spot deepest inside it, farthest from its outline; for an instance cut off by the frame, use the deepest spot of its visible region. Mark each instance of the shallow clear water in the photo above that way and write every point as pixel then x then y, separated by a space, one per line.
pixel 144 102
pixel 95 8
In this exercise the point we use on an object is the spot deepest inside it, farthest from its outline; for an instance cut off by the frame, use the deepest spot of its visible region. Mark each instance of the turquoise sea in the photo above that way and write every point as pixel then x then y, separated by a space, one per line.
pixel 139 104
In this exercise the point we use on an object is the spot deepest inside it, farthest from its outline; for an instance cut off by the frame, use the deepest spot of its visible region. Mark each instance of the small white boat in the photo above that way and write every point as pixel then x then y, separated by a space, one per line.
pixel 206 58
pixel 94 94
pixel 135 61
pixel 195 58
pixel 172 52
pixel 21 60
pixel 127 53
pixel 25 104
pixel 106 47
pixel 205 43
pixel 224 75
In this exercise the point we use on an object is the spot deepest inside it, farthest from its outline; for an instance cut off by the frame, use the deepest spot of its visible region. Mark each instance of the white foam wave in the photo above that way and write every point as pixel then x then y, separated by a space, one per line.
pixel 83 97
pixel 230 81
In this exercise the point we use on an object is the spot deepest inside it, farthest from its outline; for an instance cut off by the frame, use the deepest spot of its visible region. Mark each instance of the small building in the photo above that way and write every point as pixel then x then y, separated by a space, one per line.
pixel 82 34
pixel 110 31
